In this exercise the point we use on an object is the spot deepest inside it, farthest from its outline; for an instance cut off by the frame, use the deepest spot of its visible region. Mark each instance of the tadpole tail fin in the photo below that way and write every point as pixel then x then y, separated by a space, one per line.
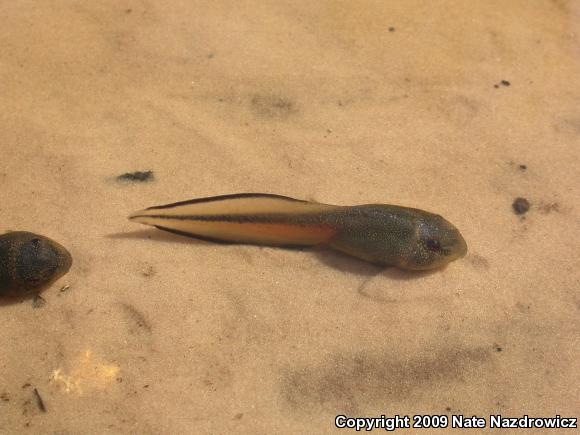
pixel 253 218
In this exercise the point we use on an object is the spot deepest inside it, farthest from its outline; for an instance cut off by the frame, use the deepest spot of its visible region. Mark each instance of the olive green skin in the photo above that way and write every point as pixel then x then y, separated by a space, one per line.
pixel 404 237
pixel 29 263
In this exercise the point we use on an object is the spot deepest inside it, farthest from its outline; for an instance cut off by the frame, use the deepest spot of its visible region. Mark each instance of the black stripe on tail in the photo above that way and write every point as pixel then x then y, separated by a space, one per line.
pixel 222 198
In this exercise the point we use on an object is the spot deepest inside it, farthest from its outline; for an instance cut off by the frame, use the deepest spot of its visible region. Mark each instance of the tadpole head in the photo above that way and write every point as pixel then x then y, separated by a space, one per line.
pixel 39 261
pixel 437 242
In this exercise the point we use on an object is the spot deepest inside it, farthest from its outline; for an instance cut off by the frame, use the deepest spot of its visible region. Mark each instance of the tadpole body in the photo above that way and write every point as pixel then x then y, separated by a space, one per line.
pixel 384 234
pixel 29 263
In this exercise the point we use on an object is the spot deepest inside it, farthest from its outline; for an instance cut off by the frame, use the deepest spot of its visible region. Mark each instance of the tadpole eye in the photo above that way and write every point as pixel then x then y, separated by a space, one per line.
pixel 433 244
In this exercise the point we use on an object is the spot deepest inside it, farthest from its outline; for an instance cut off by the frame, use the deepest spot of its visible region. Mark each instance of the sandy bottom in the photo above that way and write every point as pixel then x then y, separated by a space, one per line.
pixel 456 107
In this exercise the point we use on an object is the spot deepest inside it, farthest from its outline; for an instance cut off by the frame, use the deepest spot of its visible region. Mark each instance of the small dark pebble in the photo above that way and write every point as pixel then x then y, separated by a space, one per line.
pixel 391 29
pixel 523 167
pixel 448 408
pixel 502 83
pixel 137 176
pixel 521 205
pixel 498 349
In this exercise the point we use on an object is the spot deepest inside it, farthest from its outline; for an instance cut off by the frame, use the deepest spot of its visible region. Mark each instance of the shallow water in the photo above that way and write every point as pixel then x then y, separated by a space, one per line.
pixel 456 107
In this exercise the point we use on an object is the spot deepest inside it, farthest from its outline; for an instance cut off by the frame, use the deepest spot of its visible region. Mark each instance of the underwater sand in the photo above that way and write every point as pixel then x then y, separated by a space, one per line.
pixel 455 107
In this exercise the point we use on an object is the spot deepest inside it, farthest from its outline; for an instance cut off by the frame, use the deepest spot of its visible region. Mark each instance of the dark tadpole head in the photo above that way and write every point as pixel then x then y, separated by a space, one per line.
pixel 437 242
pixel 30 262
